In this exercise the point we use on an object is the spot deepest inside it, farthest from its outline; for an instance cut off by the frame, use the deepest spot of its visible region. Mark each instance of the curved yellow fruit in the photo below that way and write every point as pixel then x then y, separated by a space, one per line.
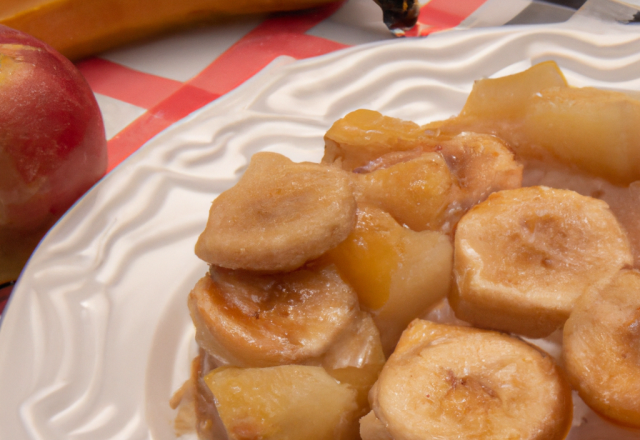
pixel 78 28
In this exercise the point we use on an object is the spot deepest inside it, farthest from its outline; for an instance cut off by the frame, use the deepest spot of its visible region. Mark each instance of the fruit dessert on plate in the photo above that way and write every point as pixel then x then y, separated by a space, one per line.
pixel 387 292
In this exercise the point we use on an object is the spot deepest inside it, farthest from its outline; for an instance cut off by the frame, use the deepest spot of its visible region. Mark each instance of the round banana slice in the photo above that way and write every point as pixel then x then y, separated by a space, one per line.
pixel 251 320
pixel 449 382
pixel 602 349
pixel 278 216
pixel 524 256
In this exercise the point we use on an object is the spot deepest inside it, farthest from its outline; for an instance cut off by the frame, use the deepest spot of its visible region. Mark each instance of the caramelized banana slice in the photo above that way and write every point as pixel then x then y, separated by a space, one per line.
pixel 285 402
pixel 481 164
pixel 602 349
pixel 252 320
pixel 451 382
pixel 524 256
pixel 398 273
pixel 278 216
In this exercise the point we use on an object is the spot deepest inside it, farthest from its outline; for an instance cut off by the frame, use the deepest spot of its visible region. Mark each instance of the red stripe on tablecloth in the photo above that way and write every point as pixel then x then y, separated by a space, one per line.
pixel 172 109
pixel 438 15
pixel 253 53
pixel 183 102
pixel 282 34
pixel 128 85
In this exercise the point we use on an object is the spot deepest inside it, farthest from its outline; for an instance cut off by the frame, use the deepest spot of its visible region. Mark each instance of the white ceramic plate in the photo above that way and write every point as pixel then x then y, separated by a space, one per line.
pixel 97 335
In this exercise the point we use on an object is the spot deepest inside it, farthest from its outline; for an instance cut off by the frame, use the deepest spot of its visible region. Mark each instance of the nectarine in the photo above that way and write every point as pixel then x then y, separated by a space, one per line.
pixel 52 143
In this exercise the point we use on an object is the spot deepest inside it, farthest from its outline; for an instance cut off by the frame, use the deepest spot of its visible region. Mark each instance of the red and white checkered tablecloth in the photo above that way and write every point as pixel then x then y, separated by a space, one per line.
pixel 144 88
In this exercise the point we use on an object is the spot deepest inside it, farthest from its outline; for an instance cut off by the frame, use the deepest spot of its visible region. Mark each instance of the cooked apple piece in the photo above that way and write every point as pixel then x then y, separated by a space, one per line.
pixel 498 106
pixel 445 381
pixel 416 193
pixel 364 135
pixel 597 130
pixel 540 117
pixel 357 358
pixel 397 273
pixel 602 349
pixel 424 180
pixel 278 216
pixel 524 256
pixel 432 189
pixel 252 320
pixel 284 402
pixel 506 98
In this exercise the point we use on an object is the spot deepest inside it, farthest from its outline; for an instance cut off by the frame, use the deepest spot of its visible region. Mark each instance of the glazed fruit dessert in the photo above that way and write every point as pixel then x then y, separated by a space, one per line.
pixel 387 292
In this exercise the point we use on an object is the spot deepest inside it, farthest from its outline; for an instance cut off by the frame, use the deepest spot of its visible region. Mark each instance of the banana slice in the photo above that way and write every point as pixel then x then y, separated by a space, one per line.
pixel 524 256
pixel 450 382
pixel 482 164
pixel 397 273
pixel 602 349
pixel 252 320
pixel 285 402
pixel 278 216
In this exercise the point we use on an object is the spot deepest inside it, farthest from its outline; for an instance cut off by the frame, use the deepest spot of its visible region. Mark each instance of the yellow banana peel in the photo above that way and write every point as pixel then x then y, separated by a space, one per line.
pixel 79 28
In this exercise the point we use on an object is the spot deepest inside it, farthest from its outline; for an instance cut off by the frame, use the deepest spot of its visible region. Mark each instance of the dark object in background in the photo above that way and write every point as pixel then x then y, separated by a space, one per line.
pixel 399 15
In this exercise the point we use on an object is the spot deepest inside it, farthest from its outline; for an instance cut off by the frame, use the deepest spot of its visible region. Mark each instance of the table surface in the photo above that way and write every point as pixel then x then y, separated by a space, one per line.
pixel 144 88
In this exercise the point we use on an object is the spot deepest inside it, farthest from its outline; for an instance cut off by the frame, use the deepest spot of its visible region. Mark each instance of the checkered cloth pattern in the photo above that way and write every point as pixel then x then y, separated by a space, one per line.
pixel 144 89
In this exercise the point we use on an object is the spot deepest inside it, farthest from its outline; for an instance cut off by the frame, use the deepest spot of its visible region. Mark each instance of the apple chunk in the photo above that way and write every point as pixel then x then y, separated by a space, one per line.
pixel 52 143
pixel 285 402
pixel 507 97
pixel 598 130
pixel 396 272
